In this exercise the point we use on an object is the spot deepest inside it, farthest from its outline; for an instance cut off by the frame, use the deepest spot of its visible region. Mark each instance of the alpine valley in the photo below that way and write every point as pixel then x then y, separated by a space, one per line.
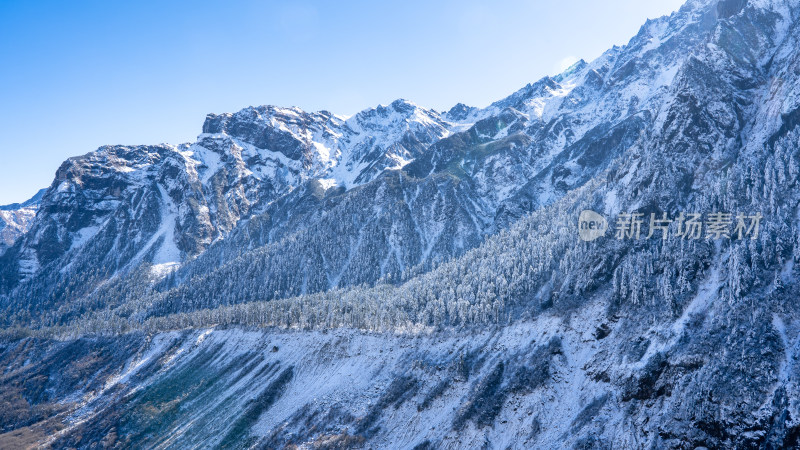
pixel 411 278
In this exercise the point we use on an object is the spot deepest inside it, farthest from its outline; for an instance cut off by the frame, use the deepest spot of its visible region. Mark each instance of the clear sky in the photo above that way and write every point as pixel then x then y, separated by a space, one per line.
pixel 75 75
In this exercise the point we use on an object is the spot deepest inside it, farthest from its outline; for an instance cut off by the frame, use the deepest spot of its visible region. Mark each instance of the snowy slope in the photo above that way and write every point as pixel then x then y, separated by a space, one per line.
pixel 336 289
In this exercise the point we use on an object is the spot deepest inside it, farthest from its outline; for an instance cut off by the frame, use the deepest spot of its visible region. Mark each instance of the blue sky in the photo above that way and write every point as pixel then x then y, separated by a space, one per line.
pixel 78 75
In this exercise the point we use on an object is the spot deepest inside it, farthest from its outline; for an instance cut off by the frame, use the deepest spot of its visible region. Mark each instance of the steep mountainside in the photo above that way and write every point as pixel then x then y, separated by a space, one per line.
pixel 426 288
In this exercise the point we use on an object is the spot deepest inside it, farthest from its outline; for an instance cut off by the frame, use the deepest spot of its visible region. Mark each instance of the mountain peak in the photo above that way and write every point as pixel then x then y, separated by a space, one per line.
pixel 402 104
pixel 459 112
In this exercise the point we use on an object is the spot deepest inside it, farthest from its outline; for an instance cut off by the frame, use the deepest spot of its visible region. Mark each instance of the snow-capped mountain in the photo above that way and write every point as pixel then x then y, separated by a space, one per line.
pixel 16 219
pixel 423 186
pixel 114 209
pixel 412 279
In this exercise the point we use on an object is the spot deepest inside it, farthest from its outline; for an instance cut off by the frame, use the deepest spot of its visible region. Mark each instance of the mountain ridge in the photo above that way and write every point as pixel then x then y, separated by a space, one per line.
pixel 449 303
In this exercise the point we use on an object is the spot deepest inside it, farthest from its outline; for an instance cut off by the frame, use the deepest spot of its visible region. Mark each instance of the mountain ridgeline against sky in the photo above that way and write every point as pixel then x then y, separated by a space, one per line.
pixel 319 201
pixel 414 279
